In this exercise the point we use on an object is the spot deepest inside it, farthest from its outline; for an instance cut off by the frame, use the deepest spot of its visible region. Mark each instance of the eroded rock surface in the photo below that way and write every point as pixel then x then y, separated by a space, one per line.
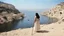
pixel 8 12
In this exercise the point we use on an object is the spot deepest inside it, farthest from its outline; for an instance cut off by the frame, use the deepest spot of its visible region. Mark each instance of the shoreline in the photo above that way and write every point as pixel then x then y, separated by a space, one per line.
pixel 53 29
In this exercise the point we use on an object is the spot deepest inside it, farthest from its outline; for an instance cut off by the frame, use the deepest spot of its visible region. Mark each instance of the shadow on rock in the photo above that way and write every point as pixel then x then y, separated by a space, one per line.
pixel 8 26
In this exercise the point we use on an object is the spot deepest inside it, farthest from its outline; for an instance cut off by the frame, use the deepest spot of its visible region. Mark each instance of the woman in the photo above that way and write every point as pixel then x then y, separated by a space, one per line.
pixel 37 22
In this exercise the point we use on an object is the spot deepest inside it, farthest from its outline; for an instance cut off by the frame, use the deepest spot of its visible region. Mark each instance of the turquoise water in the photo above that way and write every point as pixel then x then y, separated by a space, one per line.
pixel 26 22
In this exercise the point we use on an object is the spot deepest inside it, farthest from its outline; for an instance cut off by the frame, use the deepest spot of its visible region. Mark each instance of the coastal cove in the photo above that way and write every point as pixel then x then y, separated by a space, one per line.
pixel 27 21
pixel 19 17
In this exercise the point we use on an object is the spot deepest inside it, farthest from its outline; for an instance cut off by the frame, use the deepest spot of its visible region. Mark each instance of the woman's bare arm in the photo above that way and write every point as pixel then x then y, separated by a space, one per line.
pixel 34 19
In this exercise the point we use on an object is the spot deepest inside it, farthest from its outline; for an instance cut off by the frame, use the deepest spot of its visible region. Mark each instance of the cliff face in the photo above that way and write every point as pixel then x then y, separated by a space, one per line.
pixel 8 7
pixel 8 13
pixel 57 11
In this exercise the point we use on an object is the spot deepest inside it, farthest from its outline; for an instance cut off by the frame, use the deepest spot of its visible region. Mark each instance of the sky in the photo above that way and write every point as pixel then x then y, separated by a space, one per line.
pixel 33 4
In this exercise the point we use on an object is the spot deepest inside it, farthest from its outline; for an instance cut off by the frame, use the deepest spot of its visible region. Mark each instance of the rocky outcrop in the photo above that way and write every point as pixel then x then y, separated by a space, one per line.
pixel 57 11
pixel 8 12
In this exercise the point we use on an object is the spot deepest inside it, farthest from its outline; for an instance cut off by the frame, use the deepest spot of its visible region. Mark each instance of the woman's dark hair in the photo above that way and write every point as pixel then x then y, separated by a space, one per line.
pixel 37 15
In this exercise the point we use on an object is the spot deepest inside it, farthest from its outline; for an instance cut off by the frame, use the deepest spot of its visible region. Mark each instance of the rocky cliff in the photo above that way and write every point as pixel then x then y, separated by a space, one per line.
pixel 8 13
pixel 56 12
